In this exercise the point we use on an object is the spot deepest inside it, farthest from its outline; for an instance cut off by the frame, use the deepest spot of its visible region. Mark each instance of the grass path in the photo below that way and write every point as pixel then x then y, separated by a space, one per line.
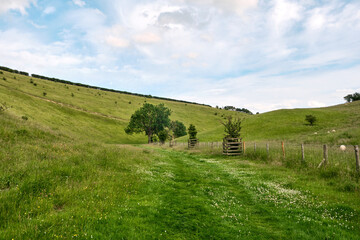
pixel 91 191
pixel 189 197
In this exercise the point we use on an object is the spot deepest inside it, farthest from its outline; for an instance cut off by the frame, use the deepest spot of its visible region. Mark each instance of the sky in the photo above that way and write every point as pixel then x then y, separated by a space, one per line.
pixel 254 54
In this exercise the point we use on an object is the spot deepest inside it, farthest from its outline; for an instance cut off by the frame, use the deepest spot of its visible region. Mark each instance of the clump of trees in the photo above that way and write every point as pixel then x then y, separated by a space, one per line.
pixel 232 127
pixel 150 119
pixel 232 108
pixel 352 97
pixel 311 119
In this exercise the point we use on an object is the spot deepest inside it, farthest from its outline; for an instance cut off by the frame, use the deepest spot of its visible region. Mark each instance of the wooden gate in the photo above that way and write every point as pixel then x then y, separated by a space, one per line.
pixel 232 146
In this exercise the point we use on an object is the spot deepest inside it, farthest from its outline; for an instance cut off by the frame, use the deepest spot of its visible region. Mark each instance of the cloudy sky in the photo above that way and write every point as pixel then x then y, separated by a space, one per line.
pixel 258 54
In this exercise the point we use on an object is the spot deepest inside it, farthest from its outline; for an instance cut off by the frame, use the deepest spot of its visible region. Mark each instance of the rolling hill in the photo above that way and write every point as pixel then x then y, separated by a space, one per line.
pixel 81 112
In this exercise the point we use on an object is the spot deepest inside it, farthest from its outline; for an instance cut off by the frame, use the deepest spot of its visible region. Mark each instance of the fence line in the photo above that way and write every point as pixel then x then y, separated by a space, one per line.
pixel 311 155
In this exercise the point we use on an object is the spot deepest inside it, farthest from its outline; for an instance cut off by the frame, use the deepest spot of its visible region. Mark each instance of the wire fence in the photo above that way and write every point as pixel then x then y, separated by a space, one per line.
pixel 331 159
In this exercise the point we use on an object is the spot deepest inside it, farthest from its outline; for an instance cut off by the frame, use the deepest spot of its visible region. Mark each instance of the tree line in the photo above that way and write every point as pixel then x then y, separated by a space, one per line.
pixel 98 88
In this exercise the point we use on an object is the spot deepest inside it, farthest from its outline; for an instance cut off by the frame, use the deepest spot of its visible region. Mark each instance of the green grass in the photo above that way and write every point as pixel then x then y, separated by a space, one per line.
pixel 69 171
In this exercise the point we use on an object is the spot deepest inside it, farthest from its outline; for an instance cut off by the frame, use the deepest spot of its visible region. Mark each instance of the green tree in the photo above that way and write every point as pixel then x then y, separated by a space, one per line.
pixel 352 97
pixel 232 127
pixel 192 131
pixel 150 119
pixel 311 119
pixel 178 128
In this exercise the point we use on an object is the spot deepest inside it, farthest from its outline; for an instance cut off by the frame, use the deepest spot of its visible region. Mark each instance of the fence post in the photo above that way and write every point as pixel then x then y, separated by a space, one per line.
pixel 254 147
pixel 325 155
pixel 283 148
pixel 244 147
pixel 302 153
pixel 357 158
pixel 325 159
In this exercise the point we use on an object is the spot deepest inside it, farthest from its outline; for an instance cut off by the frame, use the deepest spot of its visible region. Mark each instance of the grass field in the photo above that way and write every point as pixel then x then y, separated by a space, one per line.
pixel 70 172
pixel 85 113
pixel 52 188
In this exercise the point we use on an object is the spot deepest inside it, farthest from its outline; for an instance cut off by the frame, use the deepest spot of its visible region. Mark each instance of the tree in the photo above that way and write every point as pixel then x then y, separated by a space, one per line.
pixel 232 127
pixel 178 128
pixel 150 119
pixel 311 119
pixel 352 97
pixel 192 131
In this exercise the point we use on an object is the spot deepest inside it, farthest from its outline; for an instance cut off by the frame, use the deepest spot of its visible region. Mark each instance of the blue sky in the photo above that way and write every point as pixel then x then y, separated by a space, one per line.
pixel 257 54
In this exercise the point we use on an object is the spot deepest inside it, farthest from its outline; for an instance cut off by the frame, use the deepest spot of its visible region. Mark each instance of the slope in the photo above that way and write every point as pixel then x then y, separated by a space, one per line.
pixel 86 113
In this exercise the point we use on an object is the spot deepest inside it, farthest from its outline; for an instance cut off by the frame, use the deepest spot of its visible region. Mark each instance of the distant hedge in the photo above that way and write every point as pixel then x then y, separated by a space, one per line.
pixel 14 71
pixel 93 87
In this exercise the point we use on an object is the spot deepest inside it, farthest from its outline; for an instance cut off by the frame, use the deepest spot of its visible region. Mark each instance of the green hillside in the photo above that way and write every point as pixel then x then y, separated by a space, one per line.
pixel 67 172
pixel 335 125
pixel 86 113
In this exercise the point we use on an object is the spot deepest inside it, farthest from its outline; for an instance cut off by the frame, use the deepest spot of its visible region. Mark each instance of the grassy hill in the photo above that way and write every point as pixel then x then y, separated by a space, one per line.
pixel 87 113
pixel 335 125
pixel 66 174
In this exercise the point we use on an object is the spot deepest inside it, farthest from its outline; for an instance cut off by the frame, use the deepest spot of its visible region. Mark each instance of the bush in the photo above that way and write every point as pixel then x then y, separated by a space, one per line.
pixel 192 131
pixel 232 128
pixel 163 136
pixel 44 94
pixel 311 119
pixel 25 118
pixel 178 128
pixel 3 107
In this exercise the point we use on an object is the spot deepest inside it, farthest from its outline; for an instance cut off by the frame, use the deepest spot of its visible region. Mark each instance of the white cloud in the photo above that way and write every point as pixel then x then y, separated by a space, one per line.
pixel 49 10
pixel 117 42
pixel 147 37
pixel 114 37
pixel 79 3
pixel 237 6
pixel 37 25
pixel 315 104
pixel 19 5
pixel 192 55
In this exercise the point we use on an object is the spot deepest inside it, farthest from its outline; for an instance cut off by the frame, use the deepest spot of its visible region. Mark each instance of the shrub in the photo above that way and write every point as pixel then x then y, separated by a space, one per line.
pixel 163 136
pixel 35 84
pixel 1 72
pixel 25 118
pixel 311 119
pixel 4 78
pixel 192 131
pixel 72 95
pixel 44 94
pixel 232 127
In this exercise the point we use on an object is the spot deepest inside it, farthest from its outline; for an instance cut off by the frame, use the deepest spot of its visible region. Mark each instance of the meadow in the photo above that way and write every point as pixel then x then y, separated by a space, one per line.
pixel 68 171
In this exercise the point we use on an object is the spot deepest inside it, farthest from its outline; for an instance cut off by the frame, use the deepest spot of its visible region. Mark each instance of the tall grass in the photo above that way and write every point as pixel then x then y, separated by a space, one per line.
pixel 340 169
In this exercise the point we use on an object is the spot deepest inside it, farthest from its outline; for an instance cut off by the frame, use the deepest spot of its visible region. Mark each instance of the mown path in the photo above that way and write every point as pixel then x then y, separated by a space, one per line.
pixel 192 197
